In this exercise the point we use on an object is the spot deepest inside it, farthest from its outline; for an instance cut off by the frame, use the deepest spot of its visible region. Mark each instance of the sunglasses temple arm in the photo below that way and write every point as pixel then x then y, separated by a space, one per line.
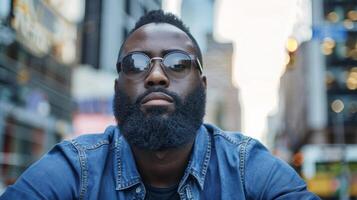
pixel 118 67
pixel 199 65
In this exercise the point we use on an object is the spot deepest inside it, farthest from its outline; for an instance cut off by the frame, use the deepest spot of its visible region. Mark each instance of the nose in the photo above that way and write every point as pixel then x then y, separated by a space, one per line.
pixel 156 76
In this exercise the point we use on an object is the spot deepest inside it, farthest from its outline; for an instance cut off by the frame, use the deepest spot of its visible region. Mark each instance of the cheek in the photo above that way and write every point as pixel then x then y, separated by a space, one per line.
pixel 184 87
pixel 131 89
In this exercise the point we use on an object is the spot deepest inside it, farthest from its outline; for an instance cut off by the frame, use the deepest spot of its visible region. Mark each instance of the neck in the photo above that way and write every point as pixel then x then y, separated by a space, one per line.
pixel 162 168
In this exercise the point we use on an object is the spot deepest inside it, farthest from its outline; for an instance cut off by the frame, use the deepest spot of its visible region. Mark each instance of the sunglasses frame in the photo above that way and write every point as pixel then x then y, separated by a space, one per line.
pixel 192 57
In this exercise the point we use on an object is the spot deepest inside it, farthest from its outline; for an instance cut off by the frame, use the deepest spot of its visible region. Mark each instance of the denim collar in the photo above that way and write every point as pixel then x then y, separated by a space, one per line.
pixel 200 157
pixel 125 168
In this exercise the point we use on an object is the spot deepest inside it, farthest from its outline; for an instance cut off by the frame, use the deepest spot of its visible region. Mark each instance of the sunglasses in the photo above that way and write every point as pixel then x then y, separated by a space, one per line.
pixel 175 64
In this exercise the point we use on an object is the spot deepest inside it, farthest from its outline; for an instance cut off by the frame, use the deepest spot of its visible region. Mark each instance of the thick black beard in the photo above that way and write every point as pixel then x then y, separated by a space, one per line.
pixel 159 129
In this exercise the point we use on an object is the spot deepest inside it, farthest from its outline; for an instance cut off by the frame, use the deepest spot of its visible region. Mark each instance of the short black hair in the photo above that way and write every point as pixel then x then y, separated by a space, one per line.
pixel 158 16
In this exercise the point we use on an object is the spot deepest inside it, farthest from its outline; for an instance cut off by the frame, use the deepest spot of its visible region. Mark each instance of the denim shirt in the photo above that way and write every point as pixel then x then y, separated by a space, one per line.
pixel 222 166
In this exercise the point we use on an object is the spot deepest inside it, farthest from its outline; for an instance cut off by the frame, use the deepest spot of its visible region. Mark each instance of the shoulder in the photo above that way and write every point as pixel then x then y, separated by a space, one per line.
pixel 67 165
pixel 230 139
pixel 251 151
pixel 245 150
pixel 263 175
pixel 95 140
pixel 233 137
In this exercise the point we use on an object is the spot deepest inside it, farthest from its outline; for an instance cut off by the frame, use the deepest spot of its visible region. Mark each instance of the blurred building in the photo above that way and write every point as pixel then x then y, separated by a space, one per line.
pixel 339 47
pixel 318 100
pixel 223 107
pixel 318 88
pixel 38 42
pixel 105 26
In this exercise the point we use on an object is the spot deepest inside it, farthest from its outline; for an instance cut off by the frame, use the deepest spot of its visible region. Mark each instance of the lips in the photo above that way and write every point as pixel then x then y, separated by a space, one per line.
pixel 157 98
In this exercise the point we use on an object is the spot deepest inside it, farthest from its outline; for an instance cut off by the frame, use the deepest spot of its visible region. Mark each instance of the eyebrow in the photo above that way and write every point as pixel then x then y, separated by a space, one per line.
pixel 163 53
pixel 166 51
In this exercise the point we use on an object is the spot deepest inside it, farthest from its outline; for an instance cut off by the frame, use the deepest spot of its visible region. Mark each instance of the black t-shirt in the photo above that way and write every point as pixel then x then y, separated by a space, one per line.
pixel 154 193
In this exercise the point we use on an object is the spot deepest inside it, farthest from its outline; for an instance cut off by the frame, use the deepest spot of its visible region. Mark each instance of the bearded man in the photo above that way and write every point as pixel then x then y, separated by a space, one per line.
pixel 160 148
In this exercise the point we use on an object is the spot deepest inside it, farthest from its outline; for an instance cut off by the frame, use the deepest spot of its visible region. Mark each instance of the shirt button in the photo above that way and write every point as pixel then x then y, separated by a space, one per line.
pixel 138 190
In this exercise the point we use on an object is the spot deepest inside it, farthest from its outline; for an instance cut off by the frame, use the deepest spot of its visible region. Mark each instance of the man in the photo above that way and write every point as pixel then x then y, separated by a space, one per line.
pixel 160 149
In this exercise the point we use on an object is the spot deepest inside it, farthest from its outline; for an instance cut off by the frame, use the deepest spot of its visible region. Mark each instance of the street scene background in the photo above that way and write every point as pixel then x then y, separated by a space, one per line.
pixel 281 71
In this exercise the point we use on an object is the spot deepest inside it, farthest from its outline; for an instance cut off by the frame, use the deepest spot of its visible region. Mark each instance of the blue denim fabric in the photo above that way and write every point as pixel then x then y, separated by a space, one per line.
pixel 222 166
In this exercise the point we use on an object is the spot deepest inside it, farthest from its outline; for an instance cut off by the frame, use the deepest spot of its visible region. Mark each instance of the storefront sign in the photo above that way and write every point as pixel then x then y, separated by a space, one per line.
pixel 28 31
pixel 43 31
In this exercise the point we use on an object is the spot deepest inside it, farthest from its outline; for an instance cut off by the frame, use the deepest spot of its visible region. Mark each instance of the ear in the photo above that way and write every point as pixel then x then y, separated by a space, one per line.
pixel 204 81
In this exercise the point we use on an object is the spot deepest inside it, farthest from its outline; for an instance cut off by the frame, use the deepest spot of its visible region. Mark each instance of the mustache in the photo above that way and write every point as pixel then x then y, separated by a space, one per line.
pixel 173 95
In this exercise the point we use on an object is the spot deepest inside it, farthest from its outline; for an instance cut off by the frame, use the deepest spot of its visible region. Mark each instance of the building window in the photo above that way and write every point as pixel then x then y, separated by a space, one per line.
pixel 127 7
pixel 125 33
pixel 145 10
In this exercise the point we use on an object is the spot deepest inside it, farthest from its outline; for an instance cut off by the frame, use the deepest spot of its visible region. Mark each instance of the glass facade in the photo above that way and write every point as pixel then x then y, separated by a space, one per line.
pixel 340 50
pixel 35 82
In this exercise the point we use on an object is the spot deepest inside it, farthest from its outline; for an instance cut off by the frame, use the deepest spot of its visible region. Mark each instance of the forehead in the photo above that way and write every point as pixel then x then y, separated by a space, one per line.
pixel 154 38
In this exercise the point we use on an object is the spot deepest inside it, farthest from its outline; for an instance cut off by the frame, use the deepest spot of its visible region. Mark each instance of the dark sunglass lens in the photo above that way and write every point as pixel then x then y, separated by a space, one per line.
pixel 178 62
pixel 135 63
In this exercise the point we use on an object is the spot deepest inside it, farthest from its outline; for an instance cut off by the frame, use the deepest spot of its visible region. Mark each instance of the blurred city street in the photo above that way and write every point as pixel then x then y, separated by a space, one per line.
pixel 283 72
